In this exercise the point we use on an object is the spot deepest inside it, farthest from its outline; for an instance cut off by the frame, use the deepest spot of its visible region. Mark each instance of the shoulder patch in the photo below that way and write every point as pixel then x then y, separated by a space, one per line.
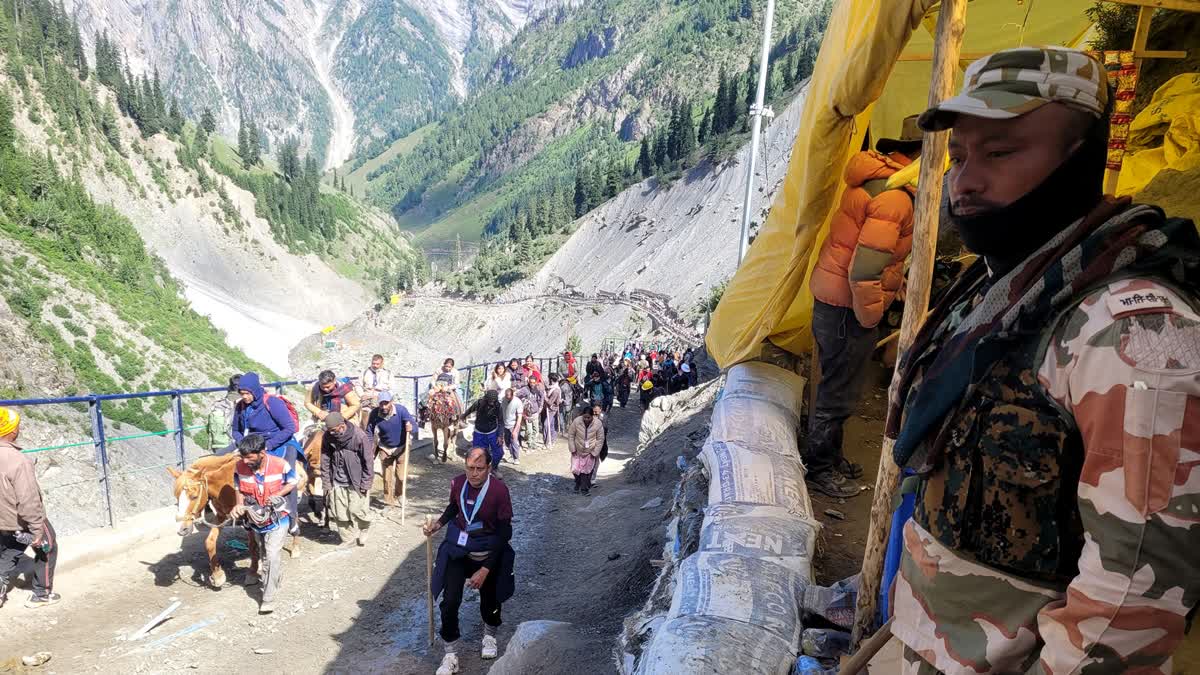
pixel 1132 303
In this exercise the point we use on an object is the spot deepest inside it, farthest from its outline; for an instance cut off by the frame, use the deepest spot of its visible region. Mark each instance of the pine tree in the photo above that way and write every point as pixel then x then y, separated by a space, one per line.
pixel 660 150
pixel 612 186
pixel 78 58
pixel 772 87
pixel 254 144
pixel 674 133
pixel 243 142
pixel 706 124
pixel 687 131
pixel 729 113
pixel 109 126
pixel 747 11
pixel 718 122
pixel 789 71
pixel 645 162
pixel 208 121
pixel 175 117
pixel 289 159
pixel 581 192
pixel 8 133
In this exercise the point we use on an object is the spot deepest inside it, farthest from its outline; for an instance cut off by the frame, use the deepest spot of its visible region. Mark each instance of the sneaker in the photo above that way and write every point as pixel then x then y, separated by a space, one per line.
pixel 832 484
pixel 449 665
pixel 515 462
pixel 362 539
pixel 266 608
pixel 42 600
pixel 490 649
pixel 252 579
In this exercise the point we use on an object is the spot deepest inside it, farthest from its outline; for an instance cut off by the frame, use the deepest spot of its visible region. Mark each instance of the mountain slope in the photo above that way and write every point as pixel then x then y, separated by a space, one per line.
pixel 337 74
pixel 575 88
pixel 269 258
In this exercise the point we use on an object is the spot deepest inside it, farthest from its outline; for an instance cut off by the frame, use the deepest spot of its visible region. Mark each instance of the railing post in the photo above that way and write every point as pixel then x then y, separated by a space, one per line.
pixel 467 397
pixel 97 416
pixel 416 406
pixel 177 408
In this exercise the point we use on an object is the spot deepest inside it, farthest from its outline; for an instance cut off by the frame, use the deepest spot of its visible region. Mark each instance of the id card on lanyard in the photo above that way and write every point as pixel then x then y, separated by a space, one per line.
pixel 469 516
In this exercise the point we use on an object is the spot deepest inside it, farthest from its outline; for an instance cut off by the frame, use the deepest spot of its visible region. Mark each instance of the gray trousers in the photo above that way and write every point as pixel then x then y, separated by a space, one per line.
pixel 270 551
pixel 845 348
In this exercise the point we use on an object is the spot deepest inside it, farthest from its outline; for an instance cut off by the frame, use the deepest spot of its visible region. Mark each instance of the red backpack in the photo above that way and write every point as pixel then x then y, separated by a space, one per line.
pixel 266 399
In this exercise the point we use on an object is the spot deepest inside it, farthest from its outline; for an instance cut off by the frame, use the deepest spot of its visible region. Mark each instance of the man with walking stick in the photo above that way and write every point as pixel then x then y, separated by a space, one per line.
pixel 475 553
pixel 394 425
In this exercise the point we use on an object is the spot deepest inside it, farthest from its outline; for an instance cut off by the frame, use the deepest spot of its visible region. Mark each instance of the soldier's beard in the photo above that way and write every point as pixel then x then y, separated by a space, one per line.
pixel 1007 235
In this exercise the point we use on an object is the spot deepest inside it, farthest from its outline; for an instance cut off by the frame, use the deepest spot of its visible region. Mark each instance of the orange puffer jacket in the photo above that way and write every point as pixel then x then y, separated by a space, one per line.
pixel 861 264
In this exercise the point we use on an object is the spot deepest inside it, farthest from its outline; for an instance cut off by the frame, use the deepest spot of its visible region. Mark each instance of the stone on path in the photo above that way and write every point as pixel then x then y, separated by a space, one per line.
pixel 536 647
pixel 653 503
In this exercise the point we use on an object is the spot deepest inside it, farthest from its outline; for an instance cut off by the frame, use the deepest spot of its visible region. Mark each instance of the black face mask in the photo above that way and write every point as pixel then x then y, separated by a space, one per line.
pixel 1007 235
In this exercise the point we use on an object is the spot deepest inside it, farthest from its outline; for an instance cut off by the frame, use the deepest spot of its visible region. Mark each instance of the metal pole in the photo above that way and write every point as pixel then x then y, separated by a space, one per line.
pixel 756 112
pixel 101 452
pixel 470 371
pixel 177 407
pixel 416 404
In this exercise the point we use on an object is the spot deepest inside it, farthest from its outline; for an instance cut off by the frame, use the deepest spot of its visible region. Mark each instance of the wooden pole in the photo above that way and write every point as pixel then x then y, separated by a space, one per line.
pixel 429 575
pixel 870 647
pixel 947 45
pixel 404 479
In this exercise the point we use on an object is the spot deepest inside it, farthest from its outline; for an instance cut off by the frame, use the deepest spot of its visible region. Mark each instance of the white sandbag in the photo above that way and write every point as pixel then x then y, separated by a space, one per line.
pixel 742 421
pixel 730 586
pixel 702 645
pixel 742 474
pixel 764 532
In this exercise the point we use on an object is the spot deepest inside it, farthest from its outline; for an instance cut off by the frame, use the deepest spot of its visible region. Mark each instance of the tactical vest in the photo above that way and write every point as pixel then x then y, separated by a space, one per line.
pixel 1005 489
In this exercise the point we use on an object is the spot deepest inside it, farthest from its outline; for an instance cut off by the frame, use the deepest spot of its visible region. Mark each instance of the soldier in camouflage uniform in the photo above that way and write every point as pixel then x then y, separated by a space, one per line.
pixel 1050 407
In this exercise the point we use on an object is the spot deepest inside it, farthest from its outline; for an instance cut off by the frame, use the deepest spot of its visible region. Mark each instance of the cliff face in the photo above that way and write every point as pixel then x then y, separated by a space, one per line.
pixel 334 73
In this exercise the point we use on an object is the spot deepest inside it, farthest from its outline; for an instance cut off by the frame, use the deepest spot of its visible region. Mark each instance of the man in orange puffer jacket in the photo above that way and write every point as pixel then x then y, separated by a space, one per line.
pixel 859 271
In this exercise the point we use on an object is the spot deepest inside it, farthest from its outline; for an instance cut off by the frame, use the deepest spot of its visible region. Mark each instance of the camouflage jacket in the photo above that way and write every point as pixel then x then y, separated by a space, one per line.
pixel 1061 547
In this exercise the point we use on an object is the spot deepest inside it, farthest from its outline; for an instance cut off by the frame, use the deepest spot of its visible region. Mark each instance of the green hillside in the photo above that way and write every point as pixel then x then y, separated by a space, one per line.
pixel 581 87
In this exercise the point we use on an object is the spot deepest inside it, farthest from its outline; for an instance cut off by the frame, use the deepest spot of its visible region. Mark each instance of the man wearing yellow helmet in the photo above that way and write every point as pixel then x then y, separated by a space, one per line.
pixel 23 520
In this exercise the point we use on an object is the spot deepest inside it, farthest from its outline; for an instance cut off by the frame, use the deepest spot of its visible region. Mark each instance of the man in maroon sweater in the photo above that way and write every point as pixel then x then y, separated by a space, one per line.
pixel 475 553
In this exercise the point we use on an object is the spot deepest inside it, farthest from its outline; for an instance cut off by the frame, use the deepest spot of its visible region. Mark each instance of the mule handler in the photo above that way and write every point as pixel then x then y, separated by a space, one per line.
pixel 394 424
pixel 263 482
pixel 23 520
pixel 475 553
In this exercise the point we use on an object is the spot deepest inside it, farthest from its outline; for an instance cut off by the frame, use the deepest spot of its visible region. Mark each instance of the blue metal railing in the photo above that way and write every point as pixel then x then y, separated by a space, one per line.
pixel 100 441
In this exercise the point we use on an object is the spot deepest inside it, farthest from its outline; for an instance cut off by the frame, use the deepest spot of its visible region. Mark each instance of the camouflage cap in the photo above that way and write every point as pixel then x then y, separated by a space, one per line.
pixel 1013 82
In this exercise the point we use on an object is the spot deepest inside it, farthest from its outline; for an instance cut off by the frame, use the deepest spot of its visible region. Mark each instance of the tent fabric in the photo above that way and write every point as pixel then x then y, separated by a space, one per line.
pixel 1171 122
pixel 860 78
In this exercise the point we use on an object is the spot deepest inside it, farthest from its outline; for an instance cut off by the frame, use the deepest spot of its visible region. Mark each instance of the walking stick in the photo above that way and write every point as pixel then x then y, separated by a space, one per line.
pixel 404 480
pixel 429 576
pixel 867 650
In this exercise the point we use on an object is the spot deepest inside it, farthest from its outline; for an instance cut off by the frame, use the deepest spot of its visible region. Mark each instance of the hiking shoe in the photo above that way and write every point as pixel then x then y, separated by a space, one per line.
pixel 42 600
pixel 490 648
pixel 848 469
pixel 449 665
pixel 252 579
pixel 515 462
pixel 832 484
pixel 362 539
pixel 266 608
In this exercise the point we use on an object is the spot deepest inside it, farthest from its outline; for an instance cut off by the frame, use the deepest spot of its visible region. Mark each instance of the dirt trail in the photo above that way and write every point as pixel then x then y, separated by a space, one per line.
pixel 580 559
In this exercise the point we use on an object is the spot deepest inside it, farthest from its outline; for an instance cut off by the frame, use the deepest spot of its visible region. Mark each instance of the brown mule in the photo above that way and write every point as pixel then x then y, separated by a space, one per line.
pixel 207 485
pixel 443 417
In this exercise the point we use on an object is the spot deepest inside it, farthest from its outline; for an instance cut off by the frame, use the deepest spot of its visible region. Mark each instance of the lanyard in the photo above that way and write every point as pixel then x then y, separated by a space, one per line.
pixel 462 500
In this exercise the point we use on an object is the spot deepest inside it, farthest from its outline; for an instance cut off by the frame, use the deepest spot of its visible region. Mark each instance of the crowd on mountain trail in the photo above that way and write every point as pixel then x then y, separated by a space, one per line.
pixel 263 456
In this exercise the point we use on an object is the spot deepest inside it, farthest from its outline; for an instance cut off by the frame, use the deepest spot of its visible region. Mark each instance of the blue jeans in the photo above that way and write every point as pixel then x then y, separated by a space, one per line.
pixel 490 442
pixel 512 442
pixel 844 348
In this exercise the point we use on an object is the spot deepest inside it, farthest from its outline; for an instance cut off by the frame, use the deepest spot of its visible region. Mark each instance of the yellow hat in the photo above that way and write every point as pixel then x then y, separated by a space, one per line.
pixel 647 385
pixel 9 421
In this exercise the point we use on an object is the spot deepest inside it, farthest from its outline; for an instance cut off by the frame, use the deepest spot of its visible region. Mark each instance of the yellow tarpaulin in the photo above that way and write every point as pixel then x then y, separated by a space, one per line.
pixel 1169 130
pixel 873 68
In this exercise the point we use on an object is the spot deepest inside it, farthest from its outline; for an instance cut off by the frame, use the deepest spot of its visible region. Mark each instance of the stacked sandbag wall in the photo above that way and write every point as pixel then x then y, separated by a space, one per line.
pixel 735 601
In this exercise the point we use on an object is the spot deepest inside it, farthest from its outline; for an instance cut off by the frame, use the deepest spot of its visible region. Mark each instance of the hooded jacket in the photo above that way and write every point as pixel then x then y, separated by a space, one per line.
pixel 20 498
pixel 271 419
pixel 861 264
pixel 348 459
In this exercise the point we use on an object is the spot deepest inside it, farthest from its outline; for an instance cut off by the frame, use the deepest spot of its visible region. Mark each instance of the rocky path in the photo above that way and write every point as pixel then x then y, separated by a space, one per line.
pixel 582 560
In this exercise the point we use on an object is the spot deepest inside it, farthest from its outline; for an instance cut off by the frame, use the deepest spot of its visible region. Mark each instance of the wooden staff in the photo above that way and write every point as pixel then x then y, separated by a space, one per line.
pixel 947 45
pixel 429 576
pixel 867 651
pixel 404 479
